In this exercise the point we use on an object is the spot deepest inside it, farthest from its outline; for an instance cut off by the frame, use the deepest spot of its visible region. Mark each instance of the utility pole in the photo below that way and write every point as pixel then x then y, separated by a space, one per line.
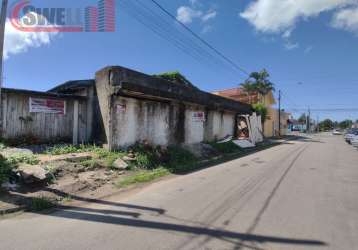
pixel 2 39
pixel 309 120
pixel 279 112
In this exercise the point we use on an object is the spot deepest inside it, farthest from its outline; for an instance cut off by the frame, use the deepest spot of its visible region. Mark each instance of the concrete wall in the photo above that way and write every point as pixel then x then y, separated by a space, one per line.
pixel 219 125
pixel 194 130
pixel 18 122
pixel 271 123
pixel 136 120
pixel 271 127
pixel 164 123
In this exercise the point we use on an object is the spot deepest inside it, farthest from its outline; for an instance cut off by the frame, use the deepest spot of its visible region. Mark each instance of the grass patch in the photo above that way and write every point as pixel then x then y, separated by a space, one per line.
pixel 41 203
pixel 157 163
pixel 142 177
pixel 11 162
pixel 175 159
pixel 68 198
pixel 71 149
pixel 102 157
pixel 16 159
pixel 226 147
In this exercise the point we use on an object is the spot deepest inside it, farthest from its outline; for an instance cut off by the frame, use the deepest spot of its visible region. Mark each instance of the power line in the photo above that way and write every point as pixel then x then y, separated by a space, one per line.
pixel 163 28
pixel 331 110
pixel 142 14
pixel 232 63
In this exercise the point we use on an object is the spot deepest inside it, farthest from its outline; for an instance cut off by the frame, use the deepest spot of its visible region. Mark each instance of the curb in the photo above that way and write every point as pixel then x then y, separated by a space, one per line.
pixel 12 210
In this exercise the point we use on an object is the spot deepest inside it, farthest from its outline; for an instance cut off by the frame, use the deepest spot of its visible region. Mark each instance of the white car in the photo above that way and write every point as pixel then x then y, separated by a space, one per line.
pixel 336 132
pixel 350 134
pixel 354 141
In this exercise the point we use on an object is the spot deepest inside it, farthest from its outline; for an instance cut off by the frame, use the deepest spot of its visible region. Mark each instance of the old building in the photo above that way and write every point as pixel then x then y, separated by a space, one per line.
pixel 119 108
pixel 136 107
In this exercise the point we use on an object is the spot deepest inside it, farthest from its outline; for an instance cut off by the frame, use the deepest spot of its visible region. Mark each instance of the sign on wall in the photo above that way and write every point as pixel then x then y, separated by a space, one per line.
pixel 50 106
pixel 198 117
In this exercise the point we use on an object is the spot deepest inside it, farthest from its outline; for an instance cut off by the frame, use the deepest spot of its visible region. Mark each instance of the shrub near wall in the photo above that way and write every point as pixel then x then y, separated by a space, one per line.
pixel 5 170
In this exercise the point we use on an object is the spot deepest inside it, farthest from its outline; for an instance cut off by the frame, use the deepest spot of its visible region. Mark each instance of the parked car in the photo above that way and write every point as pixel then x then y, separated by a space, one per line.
pixel 350 134
pixel 337 132
pixel 354 141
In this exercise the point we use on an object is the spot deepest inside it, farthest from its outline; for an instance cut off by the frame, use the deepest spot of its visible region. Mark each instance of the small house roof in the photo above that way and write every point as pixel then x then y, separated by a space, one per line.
pixel 41 94
pixel 69 86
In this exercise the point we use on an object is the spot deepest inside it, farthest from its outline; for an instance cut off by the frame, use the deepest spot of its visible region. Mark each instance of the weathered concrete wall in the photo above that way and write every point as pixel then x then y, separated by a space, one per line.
pixel 105 100
pixel 194 130
pixel 164 123
pixel 18 122
pixel 137 120
pixel 219 125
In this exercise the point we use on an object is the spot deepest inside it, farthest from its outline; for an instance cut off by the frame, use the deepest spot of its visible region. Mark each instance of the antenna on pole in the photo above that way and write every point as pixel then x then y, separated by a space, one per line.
pixel 2 38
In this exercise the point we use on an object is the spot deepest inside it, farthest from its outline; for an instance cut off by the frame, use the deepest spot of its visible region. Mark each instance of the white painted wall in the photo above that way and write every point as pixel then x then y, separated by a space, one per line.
pixel 219 125
pixel 194 130
pixel 159 124
pixel 140 121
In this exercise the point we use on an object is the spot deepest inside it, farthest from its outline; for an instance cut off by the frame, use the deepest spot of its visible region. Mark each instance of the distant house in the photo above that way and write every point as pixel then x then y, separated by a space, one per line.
pixel 271 125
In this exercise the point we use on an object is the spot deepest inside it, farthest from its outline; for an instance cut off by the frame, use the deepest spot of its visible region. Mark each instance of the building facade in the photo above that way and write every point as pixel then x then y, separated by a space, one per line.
pixel 119 108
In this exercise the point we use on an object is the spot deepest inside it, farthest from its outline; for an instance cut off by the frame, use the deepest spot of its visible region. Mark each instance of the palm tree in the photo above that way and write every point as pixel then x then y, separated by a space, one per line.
pixel 261 83
pixel 249 88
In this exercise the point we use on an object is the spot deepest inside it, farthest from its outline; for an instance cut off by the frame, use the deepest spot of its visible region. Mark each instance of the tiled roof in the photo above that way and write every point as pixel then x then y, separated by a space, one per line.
pixel 239 94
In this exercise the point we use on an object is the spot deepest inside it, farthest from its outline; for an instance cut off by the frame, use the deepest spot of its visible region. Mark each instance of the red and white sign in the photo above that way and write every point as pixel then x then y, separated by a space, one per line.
pixel 50 106
pixel 198 117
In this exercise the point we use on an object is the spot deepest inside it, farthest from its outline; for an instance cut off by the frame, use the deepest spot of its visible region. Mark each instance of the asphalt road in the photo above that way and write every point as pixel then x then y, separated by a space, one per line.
pixel 300 195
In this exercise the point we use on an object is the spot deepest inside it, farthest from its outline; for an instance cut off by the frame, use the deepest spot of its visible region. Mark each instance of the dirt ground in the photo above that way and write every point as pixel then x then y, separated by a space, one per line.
pixel 71 180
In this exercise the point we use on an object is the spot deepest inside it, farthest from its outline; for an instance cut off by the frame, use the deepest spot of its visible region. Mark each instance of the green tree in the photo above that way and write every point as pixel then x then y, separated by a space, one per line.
pixel 325 125
pixel 259 81
pixel 260 109
pixel 302 119
pixel 249 88
pixel 346 124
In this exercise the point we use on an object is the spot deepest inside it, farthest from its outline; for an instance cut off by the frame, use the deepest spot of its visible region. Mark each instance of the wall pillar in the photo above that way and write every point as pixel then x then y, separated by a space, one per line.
pixel 75 123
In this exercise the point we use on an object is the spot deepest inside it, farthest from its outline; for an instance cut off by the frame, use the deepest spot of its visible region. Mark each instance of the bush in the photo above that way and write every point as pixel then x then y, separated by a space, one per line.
pixel 5 170
pixel 42 203
pixel 148 157
pixel 226 147
pixel 260 109
pixel 180 160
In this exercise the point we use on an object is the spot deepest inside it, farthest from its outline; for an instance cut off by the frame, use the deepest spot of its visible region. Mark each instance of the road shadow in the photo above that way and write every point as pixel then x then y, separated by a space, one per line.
pixel 214 161
pixel 193 230
pixel 25 203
